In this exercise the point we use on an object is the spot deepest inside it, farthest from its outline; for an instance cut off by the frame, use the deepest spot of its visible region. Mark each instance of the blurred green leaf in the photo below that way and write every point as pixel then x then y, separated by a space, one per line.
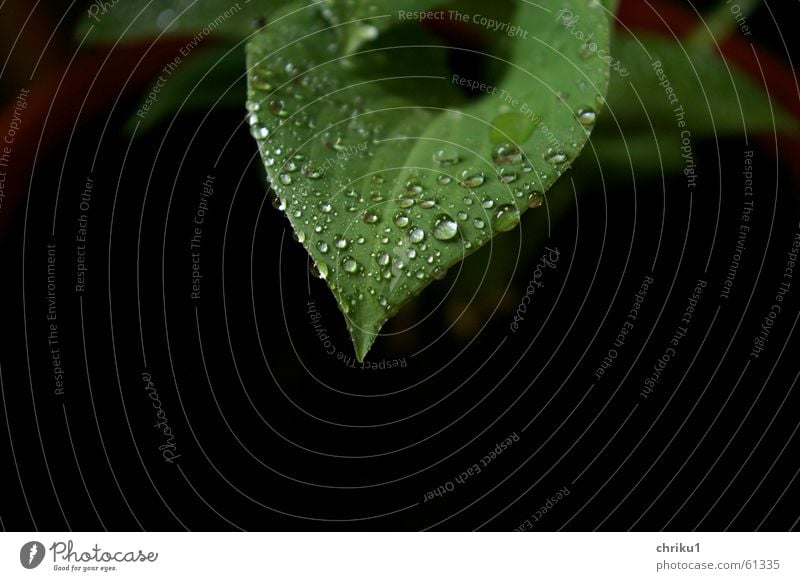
pixel 215 77
pixel 144 20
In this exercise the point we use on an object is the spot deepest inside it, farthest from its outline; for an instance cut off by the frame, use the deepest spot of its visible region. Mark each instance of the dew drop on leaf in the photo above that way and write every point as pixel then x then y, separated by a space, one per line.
pixel 506 218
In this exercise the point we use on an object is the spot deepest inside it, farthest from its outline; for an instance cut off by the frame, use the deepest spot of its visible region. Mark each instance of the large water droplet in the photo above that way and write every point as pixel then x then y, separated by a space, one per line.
pixel 446 157
pixel 350 265
pixel 471 178
pixel 445 228
pixel 401 220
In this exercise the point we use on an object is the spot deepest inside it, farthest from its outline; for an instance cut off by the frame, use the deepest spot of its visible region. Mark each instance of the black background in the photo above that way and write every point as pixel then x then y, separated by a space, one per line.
pixel 275 434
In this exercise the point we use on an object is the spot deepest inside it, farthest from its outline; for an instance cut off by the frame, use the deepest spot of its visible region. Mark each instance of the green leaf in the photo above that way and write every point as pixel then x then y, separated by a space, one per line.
pixel 387 173
pixel 212 78
pixel 143 20
pixel 718 99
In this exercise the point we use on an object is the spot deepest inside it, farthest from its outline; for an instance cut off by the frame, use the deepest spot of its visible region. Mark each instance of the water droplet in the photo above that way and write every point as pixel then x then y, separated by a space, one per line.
pixel 278 108
pixel 416 235
pixel 535 200
pixel 506 153
pixel 462 215
pixel 405 202
pixel 555 156
pixel 319 270
pixel 468 201
pixel 300 236
pixel 446 157
pixel 439 273
pixel 371 218
pixel 383 259
pixel 259 132
pixel 322 246
pixel 427 204
pixel 445 228
pixel 350 265
pixel 414 187
pixel 488 203
pixel 479 224
pixel 286 179
pixel 470 178
pixel 401 220
pixel 340 242
pixel 444 180
pixel 313 173
pixel 378 179
pixel 506 218
pixel 508 175
pixel 587 117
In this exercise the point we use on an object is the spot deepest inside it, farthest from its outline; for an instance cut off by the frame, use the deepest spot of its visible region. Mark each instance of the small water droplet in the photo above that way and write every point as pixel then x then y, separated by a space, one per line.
pixel 259 132
pixel 378 179
pixel 479 224
pixel 506 153
pixel 277 108
pixel 371 218
pixel 587 117
pixel 340 242
pixel 401 220
pixel 488 203
pixel 508 175
pixel 383 259
pixel 414 187
pixel 535 200
pixel 285 179
pixel 313 173
pixel 555 156
pixel 319 270
pixel 405 202
pixel 444 180
pixel 506 218
pixel 322 246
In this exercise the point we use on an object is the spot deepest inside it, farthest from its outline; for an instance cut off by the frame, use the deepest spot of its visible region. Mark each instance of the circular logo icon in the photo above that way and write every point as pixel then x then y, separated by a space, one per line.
pixel 31 554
